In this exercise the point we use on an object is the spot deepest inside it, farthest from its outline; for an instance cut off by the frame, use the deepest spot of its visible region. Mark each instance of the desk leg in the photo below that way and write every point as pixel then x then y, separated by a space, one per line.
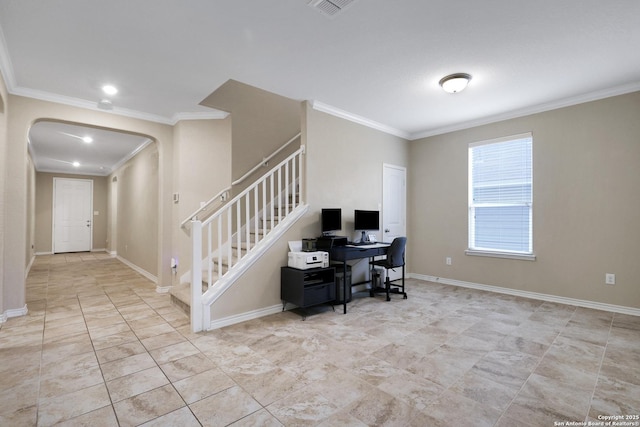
pixel 344 287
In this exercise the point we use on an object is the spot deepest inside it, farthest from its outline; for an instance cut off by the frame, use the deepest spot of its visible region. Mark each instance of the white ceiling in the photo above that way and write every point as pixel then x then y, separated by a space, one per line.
pixel 377 62
pixel 55 146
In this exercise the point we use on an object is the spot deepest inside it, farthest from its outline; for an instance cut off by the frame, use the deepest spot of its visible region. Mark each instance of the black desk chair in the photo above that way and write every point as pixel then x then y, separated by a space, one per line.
pixel 394 259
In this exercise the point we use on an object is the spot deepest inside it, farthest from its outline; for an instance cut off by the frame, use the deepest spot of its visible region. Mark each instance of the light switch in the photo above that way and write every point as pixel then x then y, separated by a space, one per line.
pixel 95 213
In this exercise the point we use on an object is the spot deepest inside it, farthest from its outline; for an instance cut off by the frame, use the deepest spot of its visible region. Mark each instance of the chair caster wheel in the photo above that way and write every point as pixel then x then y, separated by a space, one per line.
pixel 405 297
pixel 388 299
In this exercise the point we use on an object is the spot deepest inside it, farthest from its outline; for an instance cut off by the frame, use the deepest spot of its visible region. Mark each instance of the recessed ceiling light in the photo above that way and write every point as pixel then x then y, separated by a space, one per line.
pixel 76 164
pixel 87 139
pixel 455 83
pixel 109 89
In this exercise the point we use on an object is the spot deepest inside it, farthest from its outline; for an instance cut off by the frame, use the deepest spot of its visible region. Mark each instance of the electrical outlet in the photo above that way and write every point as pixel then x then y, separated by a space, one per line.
pixel 610 279
pixel 448 260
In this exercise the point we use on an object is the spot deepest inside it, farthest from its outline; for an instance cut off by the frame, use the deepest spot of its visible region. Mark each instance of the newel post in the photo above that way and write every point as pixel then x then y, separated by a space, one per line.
pixel 196 276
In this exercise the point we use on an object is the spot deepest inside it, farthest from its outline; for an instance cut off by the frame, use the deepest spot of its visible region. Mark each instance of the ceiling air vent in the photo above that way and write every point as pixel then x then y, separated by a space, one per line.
pixel 330 7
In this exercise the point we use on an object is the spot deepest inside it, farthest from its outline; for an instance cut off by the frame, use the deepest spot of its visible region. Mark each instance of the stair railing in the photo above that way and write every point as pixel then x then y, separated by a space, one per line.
pixel 223 195
pixel 240 226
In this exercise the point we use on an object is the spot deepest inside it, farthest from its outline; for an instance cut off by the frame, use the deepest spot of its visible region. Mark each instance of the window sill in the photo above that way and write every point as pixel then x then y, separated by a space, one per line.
pixel 508 255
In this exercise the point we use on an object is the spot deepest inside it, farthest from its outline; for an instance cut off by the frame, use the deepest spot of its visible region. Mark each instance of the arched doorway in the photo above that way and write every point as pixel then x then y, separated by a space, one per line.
pixel 119 165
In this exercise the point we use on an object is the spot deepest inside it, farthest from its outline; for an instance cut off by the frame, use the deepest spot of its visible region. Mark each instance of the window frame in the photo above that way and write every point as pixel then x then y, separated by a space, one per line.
pixel 472 248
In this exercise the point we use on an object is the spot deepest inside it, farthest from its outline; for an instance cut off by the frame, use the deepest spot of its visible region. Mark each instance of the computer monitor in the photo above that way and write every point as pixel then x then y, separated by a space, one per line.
pixel 331 220
pixel 366 220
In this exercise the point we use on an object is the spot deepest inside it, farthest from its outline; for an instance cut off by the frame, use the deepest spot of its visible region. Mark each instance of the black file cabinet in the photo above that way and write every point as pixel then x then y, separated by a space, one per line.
pixel 305 288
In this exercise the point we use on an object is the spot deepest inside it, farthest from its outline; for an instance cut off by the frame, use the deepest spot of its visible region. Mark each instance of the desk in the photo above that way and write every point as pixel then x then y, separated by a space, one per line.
pixel 352 252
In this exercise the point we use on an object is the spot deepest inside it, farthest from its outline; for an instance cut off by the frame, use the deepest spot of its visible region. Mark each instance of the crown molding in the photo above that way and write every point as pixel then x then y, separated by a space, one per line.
pixel 540 108
pixel 320 106
pixel 129 156
pixel 6 67
pixel 134 114
pixel 202 115
pixel 89 105
pixel 67 172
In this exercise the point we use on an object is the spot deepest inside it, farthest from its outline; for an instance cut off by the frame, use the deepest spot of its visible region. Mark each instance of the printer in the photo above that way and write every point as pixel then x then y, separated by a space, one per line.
pixel 307 260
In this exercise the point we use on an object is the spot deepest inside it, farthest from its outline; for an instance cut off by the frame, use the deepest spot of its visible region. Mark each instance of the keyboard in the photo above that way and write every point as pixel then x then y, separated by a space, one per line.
pixel 368 245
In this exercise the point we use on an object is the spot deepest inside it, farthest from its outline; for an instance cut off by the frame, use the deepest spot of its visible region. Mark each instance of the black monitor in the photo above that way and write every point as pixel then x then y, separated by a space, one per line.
pixel 331 220
pixel 366 220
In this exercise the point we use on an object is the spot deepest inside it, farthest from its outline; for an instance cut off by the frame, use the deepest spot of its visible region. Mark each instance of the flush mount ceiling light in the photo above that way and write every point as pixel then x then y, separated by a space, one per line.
pixel 109 89
pixel 76 164
pixel 455 83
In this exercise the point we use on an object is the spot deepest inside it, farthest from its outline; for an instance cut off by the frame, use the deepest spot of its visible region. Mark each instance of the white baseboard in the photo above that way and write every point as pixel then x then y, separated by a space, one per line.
pixel 533 295
pixel 14 312
pixel 145 273
pixel 114 254
pixel 250 315
pixel 43 253
pixel 163 289
pixel 99 250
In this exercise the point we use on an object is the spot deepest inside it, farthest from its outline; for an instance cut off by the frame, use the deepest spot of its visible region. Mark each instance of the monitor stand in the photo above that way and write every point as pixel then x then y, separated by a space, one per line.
pixel 364 238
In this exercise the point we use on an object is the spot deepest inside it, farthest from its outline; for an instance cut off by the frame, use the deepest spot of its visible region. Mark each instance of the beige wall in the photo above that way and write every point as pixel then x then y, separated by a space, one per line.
pixel 43 217
pixel 3 180
pixel 261 123
pixel 15 212
pixel 31 210
pixel 344 165
pixel 585 204
pixel 21 113
pixel 137 209
pixel 202 168
pixel 343 169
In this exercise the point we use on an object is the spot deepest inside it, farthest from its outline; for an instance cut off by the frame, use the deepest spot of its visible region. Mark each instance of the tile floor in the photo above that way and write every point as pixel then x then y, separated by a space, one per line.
pixel 100 347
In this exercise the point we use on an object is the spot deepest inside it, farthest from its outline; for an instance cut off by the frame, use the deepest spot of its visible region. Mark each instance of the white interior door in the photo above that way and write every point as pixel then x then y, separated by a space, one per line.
pixel 72 219
pixel 394 206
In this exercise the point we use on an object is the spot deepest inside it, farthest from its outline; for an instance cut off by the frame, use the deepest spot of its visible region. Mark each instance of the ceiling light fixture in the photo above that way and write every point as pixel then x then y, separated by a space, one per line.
pixel 87 139
pixel 109 89
pixel 455 83
pixel 76 164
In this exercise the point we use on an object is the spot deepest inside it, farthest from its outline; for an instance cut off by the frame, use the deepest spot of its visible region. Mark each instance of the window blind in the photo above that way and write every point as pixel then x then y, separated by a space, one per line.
pixel 500 195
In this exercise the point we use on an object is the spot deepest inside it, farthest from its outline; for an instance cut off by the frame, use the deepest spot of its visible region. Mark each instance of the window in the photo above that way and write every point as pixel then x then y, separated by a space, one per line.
pixel 500 197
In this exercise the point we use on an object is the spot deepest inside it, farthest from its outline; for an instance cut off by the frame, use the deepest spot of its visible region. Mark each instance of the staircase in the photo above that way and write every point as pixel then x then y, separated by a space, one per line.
pixel 234 237
pixel 181 294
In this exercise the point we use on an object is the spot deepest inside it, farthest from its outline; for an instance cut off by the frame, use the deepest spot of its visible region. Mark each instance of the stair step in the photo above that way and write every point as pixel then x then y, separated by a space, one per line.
pixel 214 276
pixel 181 295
